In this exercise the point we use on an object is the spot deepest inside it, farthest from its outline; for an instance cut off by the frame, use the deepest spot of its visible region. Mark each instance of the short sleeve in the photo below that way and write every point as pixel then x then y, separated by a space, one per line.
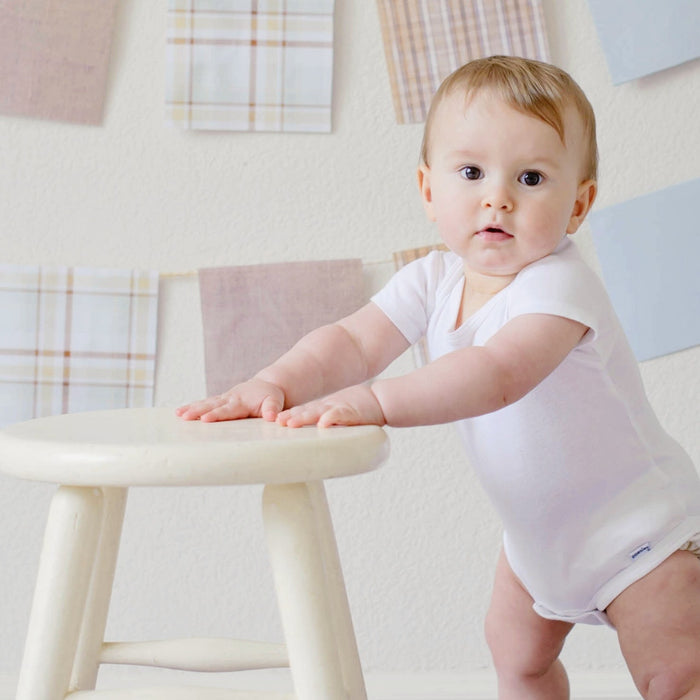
pixel 409 296
pixel 561 285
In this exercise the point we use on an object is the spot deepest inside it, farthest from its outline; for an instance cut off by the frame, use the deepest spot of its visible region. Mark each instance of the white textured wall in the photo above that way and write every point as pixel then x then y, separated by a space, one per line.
pixel 418 540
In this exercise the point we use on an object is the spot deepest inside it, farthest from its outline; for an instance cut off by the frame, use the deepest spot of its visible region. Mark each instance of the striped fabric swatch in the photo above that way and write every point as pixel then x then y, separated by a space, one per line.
pixel 250 65
pixel 75 339
pixel 425 40
pixel 253 314
pixel 401 258
pixel 54 58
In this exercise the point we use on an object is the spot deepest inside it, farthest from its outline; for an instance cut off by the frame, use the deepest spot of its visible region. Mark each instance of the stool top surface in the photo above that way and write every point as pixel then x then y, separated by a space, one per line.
pixel 153 447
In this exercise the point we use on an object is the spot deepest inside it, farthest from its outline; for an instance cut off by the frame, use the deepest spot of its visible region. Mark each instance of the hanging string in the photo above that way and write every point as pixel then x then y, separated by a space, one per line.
pixel 195 273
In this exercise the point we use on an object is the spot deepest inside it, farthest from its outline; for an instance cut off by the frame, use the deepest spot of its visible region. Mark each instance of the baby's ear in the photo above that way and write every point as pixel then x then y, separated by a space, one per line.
pixel 585 197
pixel 426 190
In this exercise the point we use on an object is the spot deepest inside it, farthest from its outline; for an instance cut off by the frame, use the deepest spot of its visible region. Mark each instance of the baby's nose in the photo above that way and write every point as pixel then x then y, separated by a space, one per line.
pixel 498 198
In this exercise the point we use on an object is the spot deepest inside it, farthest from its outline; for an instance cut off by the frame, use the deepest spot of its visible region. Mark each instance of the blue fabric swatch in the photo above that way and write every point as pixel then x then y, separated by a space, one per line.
pixel 640 37
pixel 649 251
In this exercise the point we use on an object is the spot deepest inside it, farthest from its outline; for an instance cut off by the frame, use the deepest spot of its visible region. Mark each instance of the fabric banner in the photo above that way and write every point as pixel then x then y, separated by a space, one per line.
pixel 401 258
pixel 250 65
pixel 253 314
pixel 640 37
pixel 649 249
pixel 75 339
pixel 54 58
pixel 425 41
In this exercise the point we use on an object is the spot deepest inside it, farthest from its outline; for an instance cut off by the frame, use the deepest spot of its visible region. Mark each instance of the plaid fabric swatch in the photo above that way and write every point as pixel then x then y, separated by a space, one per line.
pixel 253 314
pixel 250 65
pixel 425 40
pixel 75 339
pixel 54 58
pixel 401 258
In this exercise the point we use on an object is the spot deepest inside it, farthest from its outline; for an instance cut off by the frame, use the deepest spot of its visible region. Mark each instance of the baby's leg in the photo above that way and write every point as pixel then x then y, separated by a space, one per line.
pixel 658 624
pixel 525 647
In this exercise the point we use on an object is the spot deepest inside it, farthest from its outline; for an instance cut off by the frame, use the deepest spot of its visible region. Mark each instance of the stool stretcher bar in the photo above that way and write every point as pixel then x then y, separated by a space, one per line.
pixel 197 654
pixel 176 693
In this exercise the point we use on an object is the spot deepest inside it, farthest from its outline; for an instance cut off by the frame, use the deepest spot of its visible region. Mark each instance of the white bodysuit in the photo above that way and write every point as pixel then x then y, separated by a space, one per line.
pixel 592 491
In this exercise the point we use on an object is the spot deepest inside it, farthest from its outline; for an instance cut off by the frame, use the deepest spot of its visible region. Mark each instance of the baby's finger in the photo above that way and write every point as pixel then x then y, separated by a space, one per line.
pixel 187 411
pixel 282 417
pixel 338 415
pixel 228 410
pixel 299 416
pixel 195 410
pixel 271 407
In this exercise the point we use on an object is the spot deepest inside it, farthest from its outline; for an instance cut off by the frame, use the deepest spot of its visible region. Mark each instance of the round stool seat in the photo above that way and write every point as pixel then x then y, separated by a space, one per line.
pixel 153 447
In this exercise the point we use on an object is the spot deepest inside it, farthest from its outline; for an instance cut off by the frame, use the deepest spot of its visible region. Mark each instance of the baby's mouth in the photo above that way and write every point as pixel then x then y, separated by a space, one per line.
pixel 494 233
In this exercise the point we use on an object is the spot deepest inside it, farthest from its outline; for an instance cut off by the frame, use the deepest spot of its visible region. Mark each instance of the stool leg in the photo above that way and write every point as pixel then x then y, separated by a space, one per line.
pixel 297 536
pixel 65 567
pixel 87 657
pixel 340 608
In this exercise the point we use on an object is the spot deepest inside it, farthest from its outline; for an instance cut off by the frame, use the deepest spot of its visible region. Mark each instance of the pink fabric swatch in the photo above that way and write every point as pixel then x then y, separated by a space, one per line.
pixel 253 314
pixel 54 58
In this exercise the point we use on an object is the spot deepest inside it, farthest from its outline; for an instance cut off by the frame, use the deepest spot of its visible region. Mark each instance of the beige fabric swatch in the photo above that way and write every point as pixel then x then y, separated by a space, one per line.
pixel 250 65
pixel 253 314
pixel 75 339
pixel 54 58
pixel 425 40
pixel 403 257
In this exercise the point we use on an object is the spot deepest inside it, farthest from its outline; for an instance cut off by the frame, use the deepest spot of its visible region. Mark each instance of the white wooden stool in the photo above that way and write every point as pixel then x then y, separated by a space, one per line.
pixel 96 456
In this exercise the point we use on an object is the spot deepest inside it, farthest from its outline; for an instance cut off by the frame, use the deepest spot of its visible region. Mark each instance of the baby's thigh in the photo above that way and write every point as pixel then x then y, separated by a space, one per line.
pixel 515 633
pixel 658 621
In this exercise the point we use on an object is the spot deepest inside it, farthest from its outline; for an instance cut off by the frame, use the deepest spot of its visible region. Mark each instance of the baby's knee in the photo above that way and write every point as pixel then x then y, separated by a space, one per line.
pixel 520 655
pixel 673 683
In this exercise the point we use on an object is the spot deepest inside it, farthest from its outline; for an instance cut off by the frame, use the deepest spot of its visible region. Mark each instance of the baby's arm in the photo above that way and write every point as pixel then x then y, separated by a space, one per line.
pixel 465 383
pixel 478 380
pixel 327 359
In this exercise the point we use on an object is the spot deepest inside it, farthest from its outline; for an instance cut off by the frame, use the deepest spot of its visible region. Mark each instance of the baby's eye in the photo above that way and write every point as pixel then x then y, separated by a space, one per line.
pixel 531 178
pixel 471 172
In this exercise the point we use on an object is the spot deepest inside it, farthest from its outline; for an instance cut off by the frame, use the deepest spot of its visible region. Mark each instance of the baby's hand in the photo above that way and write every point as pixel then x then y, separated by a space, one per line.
pixel 356 405
pixel 252 399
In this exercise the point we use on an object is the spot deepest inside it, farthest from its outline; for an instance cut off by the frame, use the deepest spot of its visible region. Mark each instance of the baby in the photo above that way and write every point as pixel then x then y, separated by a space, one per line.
pixel 599 505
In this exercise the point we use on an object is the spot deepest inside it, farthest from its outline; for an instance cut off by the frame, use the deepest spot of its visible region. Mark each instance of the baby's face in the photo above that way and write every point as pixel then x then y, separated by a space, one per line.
pixel 502 187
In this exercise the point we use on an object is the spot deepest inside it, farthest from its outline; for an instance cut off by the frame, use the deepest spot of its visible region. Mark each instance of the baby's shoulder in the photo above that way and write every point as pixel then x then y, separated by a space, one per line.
pixel 564 269
pixel 561 284
pixel 431 272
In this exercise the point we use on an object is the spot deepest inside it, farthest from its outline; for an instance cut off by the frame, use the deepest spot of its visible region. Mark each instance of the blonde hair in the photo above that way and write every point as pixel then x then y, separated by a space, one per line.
pixel 532 87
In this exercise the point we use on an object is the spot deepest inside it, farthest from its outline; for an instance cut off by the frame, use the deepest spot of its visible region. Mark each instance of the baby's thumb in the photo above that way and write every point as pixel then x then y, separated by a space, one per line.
pixel 270 407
